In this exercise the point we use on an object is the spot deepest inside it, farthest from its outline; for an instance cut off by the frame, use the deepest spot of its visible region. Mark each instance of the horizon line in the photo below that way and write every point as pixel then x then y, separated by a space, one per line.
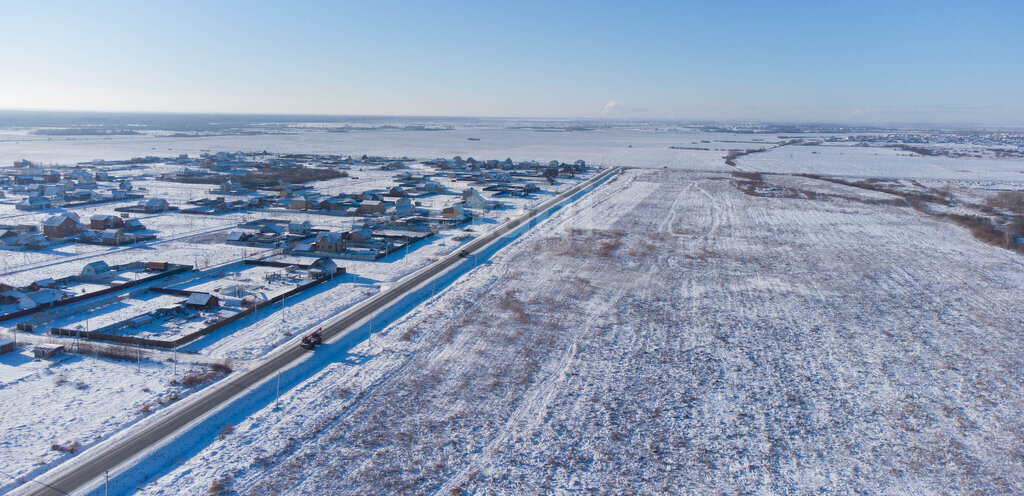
pixel 601 118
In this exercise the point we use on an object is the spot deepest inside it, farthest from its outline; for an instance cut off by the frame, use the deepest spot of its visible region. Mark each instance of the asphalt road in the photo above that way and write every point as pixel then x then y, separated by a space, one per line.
pixel 88 466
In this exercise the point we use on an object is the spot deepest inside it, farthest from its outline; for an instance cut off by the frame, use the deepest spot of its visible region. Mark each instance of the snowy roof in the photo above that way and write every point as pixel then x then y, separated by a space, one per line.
pixel 198 299
pixel 57 220
pixel 44 296
pixel 98 266
pixel 330 237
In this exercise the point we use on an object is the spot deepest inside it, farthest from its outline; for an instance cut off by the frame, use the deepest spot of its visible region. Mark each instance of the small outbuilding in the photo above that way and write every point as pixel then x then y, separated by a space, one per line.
pixel 201 300
pixel 47 350
pixel 326 266
pixel 96 271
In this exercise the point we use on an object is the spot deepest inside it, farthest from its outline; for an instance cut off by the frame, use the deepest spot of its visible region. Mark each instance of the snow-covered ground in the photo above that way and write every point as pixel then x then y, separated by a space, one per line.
pixel 668 334
pixel 53 408
pixel 629 147
pixel 880 162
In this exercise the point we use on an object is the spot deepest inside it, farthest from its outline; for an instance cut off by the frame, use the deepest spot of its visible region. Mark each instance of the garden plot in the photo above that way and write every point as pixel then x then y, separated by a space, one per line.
pixel 699 341
pixel 239 281
pixel 167 317
pixel 56 408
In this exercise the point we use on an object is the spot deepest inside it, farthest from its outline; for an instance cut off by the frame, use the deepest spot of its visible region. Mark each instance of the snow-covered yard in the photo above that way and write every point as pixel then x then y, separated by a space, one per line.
pixel 668 334
pixel 55 408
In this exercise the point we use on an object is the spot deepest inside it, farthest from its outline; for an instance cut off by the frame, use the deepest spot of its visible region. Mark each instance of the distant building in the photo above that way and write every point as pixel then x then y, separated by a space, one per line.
pixel 453 212
pixel 300 228
pixel 114 237
pixel 370 207
pixel 105 221
pixel 154 205
pixel 33 203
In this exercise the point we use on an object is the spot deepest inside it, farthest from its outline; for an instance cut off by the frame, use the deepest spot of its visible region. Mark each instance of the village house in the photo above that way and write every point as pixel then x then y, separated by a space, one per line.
pixel 8 236
pixel 114 237
pixel 275 229
pixel 329 242
pixel 10 296
pixel 238 237
pixel 371 207
pixel 454 212
pixel 300 228
pixel 325 266
pixel 257 203
pixel 60 226
pixel 31 241
pixel 404 207
pixel 105 221
pixel 33 203
pixel 78 195
pixel 133 225
pixel 473 199
pixel 154 205
pixel 40 297
pixel 304 203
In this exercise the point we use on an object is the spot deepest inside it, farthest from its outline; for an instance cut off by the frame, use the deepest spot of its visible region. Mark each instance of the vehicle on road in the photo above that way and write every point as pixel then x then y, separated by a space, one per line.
pixel 313 340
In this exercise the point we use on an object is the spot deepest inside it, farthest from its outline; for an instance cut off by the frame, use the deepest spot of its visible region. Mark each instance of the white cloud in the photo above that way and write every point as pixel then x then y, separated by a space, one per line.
pixel 613 106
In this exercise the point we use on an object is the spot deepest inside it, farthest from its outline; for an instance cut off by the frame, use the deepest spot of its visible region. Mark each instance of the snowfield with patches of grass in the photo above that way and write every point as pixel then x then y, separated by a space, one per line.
pixel 669 334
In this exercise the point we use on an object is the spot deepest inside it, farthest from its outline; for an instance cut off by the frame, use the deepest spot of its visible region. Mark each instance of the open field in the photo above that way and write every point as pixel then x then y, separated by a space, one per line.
pixel 668 333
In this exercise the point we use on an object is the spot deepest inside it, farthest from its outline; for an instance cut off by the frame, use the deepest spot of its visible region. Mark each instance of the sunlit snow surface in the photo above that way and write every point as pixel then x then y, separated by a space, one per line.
pixel 725 343
pixel 729 343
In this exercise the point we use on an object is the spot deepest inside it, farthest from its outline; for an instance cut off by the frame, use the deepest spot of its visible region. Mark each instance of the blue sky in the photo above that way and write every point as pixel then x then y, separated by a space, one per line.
pixel 745 60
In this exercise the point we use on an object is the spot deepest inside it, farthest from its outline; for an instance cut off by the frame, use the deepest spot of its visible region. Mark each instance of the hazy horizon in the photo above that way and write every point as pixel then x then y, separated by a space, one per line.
pixel 60 118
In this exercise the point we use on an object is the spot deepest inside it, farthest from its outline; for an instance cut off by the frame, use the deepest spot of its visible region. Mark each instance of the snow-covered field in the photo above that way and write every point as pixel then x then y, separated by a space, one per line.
pixel 668 334
pixel 631 147
pixel 880 162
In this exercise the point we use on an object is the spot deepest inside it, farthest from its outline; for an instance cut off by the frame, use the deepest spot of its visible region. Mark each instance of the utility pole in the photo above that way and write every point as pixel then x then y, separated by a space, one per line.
pixel 277 402
pixel 106 483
